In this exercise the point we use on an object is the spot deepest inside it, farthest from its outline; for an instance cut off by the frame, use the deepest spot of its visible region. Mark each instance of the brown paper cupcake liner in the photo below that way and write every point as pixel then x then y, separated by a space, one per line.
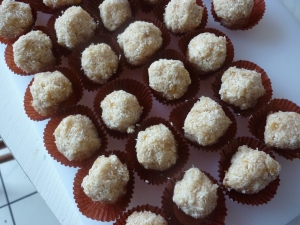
pixel 147 7
pixel 174 55
pixel 166 41
pixel 9 55
pixel 263 196
pixel 140 208
pixel 97 210
pixel 180 112
pixel 261 101
pixel 40 6
pixel 74 60
pixel 185 40
pixel 159 11
pixel 49 139
pixel 156 177
pixel 34 15
pixel 136 88
pixel 176 216
pixel 257 124
pixel 93 5
pixel 51 27
pixel 72 100
pixel 256 15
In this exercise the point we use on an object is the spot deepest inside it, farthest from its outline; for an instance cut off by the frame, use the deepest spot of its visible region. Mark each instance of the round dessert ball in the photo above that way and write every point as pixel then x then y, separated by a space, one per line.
pixel 169 78
pixel 16 17
pixel 76 137
pixel 195 194
pixel 60 3
pixel 241 87
pixel 206 122
pixel 282 130
pixel 250 170
pixel 33 52
pixel 233 13
pixel 156 148
pixel 182 15
pixel 107 180
pixel 145 218
pixel 48 91
pixel 121 111
pixel 207 52
pixel 99 62
pixel 73 27
pixel 114 13
pixel 139 41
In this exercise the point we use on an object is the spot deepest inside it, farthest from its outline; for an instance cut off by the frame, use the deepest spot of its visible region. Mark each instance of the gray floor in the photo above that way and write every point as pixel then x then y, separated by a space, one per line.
pixel 20 203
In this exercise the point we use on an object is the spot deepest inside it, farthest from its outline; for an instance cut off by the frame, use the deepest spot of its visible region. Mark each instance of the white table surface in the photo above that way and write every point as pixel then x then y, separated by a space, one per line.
pixel 274 44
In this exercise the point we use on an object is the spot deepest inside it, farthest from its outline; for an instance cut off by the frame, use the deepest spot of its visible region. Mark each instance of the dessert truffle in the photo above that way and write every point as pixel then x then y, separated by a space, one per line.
pixel 73 27
pixel 145 218
pixel 99 62
pixel 169 78
pixel 33 52
pixel 241 87
pixel 250 170
pixel 182 15
pixel 156 148
pixel 107 180
pixel 282 130
pixel 195 194
pixel 114 13
pixel 206 122
pixel 76 137
pixel 139 41
pixel 60 3
pixel 121 111
pixel 16 17
pixel 48 91
pixel 233 13
pixel 207 52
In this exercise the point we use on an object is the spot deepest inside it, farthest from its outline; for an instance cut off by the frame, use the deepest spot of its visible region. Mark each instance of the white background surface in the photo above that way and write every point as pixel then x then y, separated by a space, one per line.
pixel 273 44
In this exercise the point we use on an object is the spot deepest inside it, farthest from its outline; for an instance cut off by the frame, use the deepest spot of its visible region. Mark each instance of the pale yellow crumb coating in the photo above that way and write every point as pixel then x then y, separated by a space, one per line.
pixel 107 180
pixel 76 137
pixel 49 90
pixel 250 171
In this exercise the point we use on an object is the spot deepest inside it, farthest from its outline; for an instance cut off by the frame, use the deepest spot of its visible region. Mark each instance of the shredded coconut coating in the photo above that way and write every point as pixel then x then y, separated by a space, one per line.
pixel 114 13
pixel 74 26
pixel 169 78
pixel 99 62
pixel 241 87
pixel 33 52
pixel 107 180
pixel 121 111
pixel 233 12
pixel 282 130
pixel 16 17
pixel 139 41
pixel 76 137
pixel 195 194
pixel 250 170
pixel 206 122
pixel 60 3
pixel 182 15
pixel 207 52
pixel 48 91
pixel 156 148
pixel 145 218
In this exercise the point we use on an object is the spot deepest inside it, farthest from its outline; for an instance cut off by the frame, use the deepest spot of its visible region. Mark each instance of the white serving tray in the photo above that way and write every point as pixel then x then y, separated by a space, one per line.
pixel 273 44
